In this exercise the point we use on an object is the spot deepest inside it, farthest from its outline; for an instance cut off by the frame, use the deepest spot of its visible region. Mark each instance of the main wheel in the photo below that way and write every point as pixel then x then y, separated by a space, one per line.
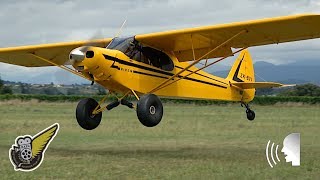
pixel 250 115
pixel 149 110
pixel 85 118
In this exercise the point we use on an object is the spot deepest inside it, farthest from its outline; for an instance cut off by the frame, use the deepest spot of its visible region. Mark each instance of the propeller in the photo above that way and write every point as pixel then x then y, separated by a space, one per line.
pixel 78 54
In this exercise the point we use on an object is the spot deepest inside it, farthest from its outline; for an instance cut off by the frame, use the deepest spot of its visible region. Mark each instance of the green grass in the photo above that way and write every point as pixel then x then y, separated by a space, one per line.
pixel 192 142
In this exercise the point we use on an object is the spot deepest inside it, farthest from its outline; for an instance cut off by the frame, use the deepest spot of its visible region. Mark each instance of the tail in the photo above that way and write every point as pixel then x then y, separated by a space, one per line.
pixel 242 71
pixel 241 77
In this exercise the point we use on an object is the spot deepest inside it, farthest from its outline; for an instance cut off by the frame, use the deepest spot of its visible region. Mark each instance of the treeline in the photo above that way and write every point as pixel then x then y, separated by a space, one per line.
pixel 260 100
pixel 50 89
pixel 302 90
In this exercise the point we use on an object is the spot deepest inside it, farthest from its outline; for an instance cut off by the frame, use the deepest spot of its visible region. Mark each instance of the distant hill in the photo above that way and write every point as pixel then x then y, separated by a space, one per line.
pixel 56 76
pixel 294 73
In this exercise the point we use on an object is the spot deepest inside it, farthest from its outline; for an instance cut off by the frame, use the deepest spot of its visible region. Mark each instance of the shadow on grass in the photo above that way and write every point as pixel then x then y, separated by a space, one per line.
pixel 185 153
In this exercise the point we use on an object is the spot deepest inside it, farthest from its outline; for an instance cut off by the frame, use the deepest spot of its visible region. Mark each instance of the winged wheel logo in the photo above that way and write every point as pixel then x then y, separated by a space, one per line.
pixel 28 152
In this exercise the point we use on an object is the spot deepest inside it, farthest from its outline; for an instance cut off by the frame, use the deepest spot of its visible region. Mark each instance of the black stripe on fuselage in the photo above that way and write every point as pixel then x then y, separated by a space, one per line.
pixel 202 75
pixel 136 65
pixel 147 74
pixel 205 82
pixel 156 70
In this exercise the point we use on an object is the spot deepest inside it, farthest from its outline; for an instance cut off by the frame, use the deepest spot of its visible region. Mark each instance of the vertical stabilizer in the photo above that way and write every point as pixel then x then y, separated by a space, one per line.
pixel 243 71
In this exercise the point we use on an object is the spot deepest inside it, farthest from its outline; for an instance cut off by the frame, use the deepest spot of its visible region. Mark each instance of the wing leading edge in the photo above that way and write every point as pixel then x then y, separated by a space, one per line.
pixel 56 52
pixel 258 32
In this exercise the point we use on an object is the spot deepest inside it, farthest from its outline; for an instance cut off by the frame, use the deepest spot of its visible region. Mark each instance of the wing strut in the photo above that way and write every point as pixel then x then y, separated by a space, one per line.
pixel 61 66
pixel 201 69
pixel 197 61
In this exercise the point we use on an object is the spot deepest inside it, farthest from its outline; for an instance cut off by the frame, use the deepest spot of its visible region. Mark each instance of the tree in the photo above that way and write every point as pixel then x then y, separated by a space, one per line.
pixel 303 90
pixel 265 91
pixel 73 91
pixel 101 90
pixel 25 89
pixel 51 91
pixel 6 90
pixel 1 83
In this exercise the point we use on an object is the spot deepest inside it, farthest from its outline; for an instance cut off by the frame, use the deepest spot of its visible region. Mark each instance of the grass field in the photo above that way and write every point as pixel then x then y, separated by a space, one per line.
pixel 191 142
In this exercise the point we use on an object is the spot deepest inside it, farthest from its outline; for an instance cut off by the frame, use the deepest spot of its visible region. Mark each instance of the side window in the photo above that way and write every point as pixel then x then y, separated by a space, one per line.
pixel 157 58
pixel 136 51
pixel 167 64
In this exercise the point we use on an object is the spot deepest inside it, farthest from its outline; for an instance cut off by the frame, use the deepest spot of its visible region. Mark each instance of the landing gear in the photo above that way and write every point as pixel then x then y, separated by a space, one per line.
pixel 250 113
pixel 84 113
pixel 149 110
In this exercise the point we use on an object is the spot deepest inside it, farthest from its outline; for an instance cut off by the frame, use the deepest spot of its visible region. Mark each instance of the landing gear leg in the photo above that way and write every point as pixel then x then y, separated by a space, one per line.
pixel 112 105
pixel 250 113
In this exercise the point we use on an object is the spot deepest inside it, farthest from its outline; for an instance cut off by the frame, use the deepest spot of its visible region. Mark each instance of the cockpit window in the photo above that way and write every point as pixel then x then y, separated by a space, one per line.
pixel 136 51
pixel 120 44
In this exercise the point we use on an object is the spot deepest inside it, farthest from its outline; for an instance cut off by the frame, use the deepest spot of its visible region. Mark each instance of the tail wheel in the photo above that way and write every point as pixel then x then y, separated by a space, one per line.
pixel 250 115
pixel 85 118
pixel 149 110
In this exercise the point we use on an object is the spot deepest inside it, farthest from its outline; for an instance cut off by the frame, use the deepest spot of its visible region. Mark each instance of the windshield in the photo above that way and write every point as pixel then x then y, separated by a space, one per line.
pixel 121 44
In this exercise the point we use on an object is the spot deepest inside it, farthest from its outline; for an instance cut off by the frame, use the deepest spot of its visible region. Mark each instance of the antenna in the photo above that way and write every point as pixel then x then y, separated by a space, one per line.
pixel 118 33
pixel 120 30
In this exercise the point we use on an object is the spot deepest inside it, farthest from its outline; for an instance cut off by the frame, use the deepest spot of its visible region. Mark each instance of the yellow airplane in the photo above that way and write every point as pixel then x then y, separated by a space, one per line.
pixel 157 64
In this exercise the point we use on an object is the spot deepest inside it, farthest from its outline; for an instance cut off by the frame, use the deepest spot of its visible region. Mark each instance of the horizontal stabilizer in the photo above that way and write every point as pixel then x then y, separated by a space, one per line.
pixel 252 85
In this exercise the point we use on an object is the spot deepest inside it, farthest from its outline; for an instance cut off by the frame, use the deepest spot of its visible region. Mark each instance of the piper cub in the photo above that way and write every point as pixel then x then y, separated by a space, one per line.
pixel 162 64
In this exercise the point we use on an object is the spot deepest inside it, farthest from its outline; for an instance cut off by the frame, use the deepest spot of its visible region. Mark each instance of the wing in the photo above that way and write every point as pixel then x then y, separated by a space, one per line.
pixel 257 32
pixel 251 85
pixel 40 142
pixel 57 53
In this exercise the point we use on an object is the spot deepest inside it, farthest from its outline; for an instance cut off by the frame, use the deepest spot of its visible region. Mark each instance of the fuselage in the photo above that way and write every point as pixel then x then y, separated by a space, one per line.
pixel 118 73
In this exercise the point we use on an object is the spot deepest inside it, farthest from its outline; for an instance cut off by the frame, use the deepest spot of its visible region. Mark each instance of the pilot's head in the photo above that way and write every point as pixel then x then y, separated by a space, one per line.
pixel 291 148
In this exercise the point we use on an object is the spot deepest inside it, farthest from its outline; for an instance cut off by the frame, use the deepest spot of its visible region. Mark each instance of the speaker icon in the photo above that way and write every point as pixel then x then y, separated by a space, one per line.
pixel 273 150
pixel 291 150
